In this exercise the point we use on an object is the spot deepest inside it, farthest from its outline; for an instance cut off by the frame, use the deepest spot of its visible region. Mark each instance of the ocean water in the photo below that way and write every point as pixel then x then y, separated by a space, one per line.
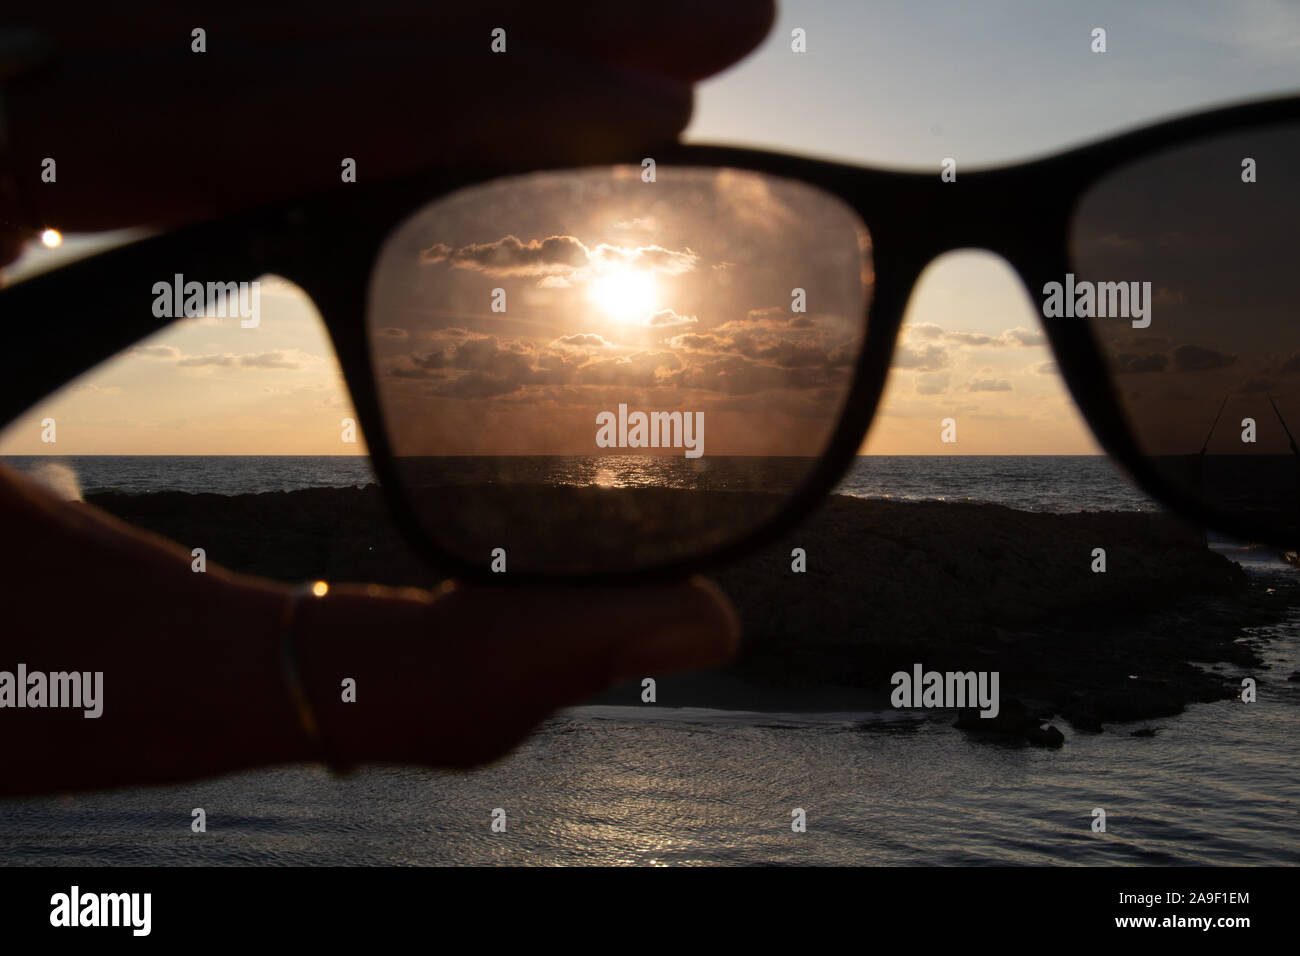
pixel 659 784
pixel 1033 483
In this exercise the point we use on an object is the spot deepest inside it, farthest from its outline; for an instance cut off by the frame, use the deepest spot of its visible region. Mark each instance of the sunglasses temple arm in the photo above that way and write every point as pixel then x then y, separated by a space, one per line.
pixel 60 324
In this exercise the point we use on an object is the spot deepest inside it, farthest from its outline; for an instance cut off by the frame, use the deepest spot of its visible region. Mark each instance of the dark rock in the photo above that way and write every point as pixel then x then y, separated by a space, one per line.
pixel 889 584
pixel 1014 720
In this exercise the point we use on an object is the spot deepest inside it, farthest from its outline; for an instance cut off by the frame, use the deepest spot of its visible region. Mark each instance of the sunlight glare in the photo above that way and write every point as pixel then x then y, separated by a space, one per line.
pixel 624 294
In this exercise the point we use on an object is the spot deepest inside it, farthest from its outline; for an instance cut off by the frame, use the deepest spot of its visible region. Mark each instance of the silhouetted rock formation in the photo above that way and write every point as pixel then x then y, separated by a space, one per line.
pixel 957 586
pixel 1014 721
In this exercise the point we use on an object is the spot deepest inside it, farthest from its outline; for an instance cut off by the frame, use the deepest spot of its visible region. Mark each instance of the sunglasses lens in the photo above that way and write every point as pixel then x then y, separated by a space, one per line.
pixel 1184 264
pixel 615 368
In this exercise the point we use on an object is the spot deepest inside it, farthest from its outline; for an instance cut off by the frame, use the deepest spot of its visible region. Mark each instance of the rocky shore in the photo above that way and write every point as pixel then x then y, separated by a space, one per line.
pixel 953 587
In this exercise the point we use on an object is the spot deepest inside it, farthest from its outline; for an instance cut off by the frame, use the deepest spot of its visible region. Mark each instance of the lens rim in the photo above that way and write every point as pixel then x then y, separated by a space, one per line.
pixel 328 246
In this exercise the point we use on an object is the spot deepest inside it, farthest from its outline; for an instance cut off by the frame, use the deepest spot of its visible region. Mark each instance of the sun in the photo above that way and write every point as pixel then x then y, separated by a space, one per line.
pixel 624 294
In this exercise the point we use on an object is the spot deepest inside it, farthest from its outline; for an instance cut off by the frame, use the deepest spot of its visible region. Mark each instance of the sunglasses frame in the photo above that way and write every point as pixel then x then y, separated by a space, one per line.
pixel 1020 212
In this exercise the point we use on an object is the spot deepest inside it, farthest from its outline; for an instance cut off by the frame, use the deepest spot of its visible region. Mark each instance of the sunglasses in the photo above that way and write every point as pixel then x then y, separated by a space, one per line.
pixel 646 365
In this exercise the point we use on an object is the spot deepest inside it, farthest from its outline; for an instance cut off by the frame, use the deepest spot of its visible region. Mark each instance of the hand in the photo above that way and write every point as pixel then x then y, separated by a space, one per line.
pixel 146 132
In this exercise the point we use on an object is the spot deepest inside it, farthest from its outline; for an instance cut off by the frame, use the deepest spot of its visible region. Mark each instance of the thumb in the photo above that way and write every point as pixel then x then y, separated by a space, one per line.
pixel 535 650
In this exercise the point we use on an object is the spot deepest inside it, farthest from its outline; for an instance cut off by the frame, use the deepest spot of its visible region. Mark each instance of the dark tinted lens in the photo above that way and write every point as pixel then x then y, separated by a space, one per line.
pixel 1201 328
pixel 595 372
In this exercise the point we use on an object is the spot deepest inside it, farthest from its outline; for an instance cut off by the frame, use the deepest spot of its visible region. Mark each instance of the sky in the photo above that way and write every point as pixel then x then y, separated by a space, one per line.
pixel 897 85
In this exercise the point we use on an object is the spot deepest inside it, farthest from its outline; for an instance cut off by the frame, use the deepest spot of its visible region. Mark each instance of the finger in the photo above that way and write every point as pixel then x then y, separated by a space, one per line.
pixel 522 654
pixel 620 633
pixel 147 132
pixel 682 39
pixel 241 137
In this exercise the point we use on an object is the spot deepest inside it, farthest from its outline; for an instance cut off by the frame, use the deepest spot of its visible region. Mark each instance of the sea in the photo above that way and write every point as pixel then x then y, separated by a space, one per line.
pixel 661 785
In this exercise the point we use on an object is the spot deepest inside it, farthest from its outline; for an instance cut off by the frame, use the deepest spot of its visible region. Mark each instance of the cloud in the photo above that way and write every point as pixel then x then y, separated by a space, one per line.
pixel 557 259
pixel 565 369
pixel 737 375
pixel 1194 358
pixel 477 385
pixel 1130 364
pixel 1024 337
pixel 509 256
pixel 771 317
pixel 971 338
pixel 1167 298
pixel 584 340
pixel 639 370
pixel 780 352
pixel 694 342
pixel 292 359
pixel 988 385
pixel 268 360
pixel 157 351
pixel 668 319
pixel 1011 338
pixel 927 358
pixel 394 333
pixel 932 384
pixel 1256 386
pixel 658 258
pixel 926 330
pixel 1047 368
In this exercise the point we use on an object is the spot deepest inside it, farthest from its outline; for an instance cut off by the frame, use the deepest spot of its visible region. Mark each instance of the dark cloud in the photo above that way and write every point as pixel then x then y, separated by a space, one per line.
pixel 771 317
pixel 476 385
pixel 511 256
pixel 1194 358
pixel 736 375
pixel 640 370
pixel 584 340
pixel 1130 364
pixel 1025 337
pixel 692 341
pixel 781 352
pixel 196 361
